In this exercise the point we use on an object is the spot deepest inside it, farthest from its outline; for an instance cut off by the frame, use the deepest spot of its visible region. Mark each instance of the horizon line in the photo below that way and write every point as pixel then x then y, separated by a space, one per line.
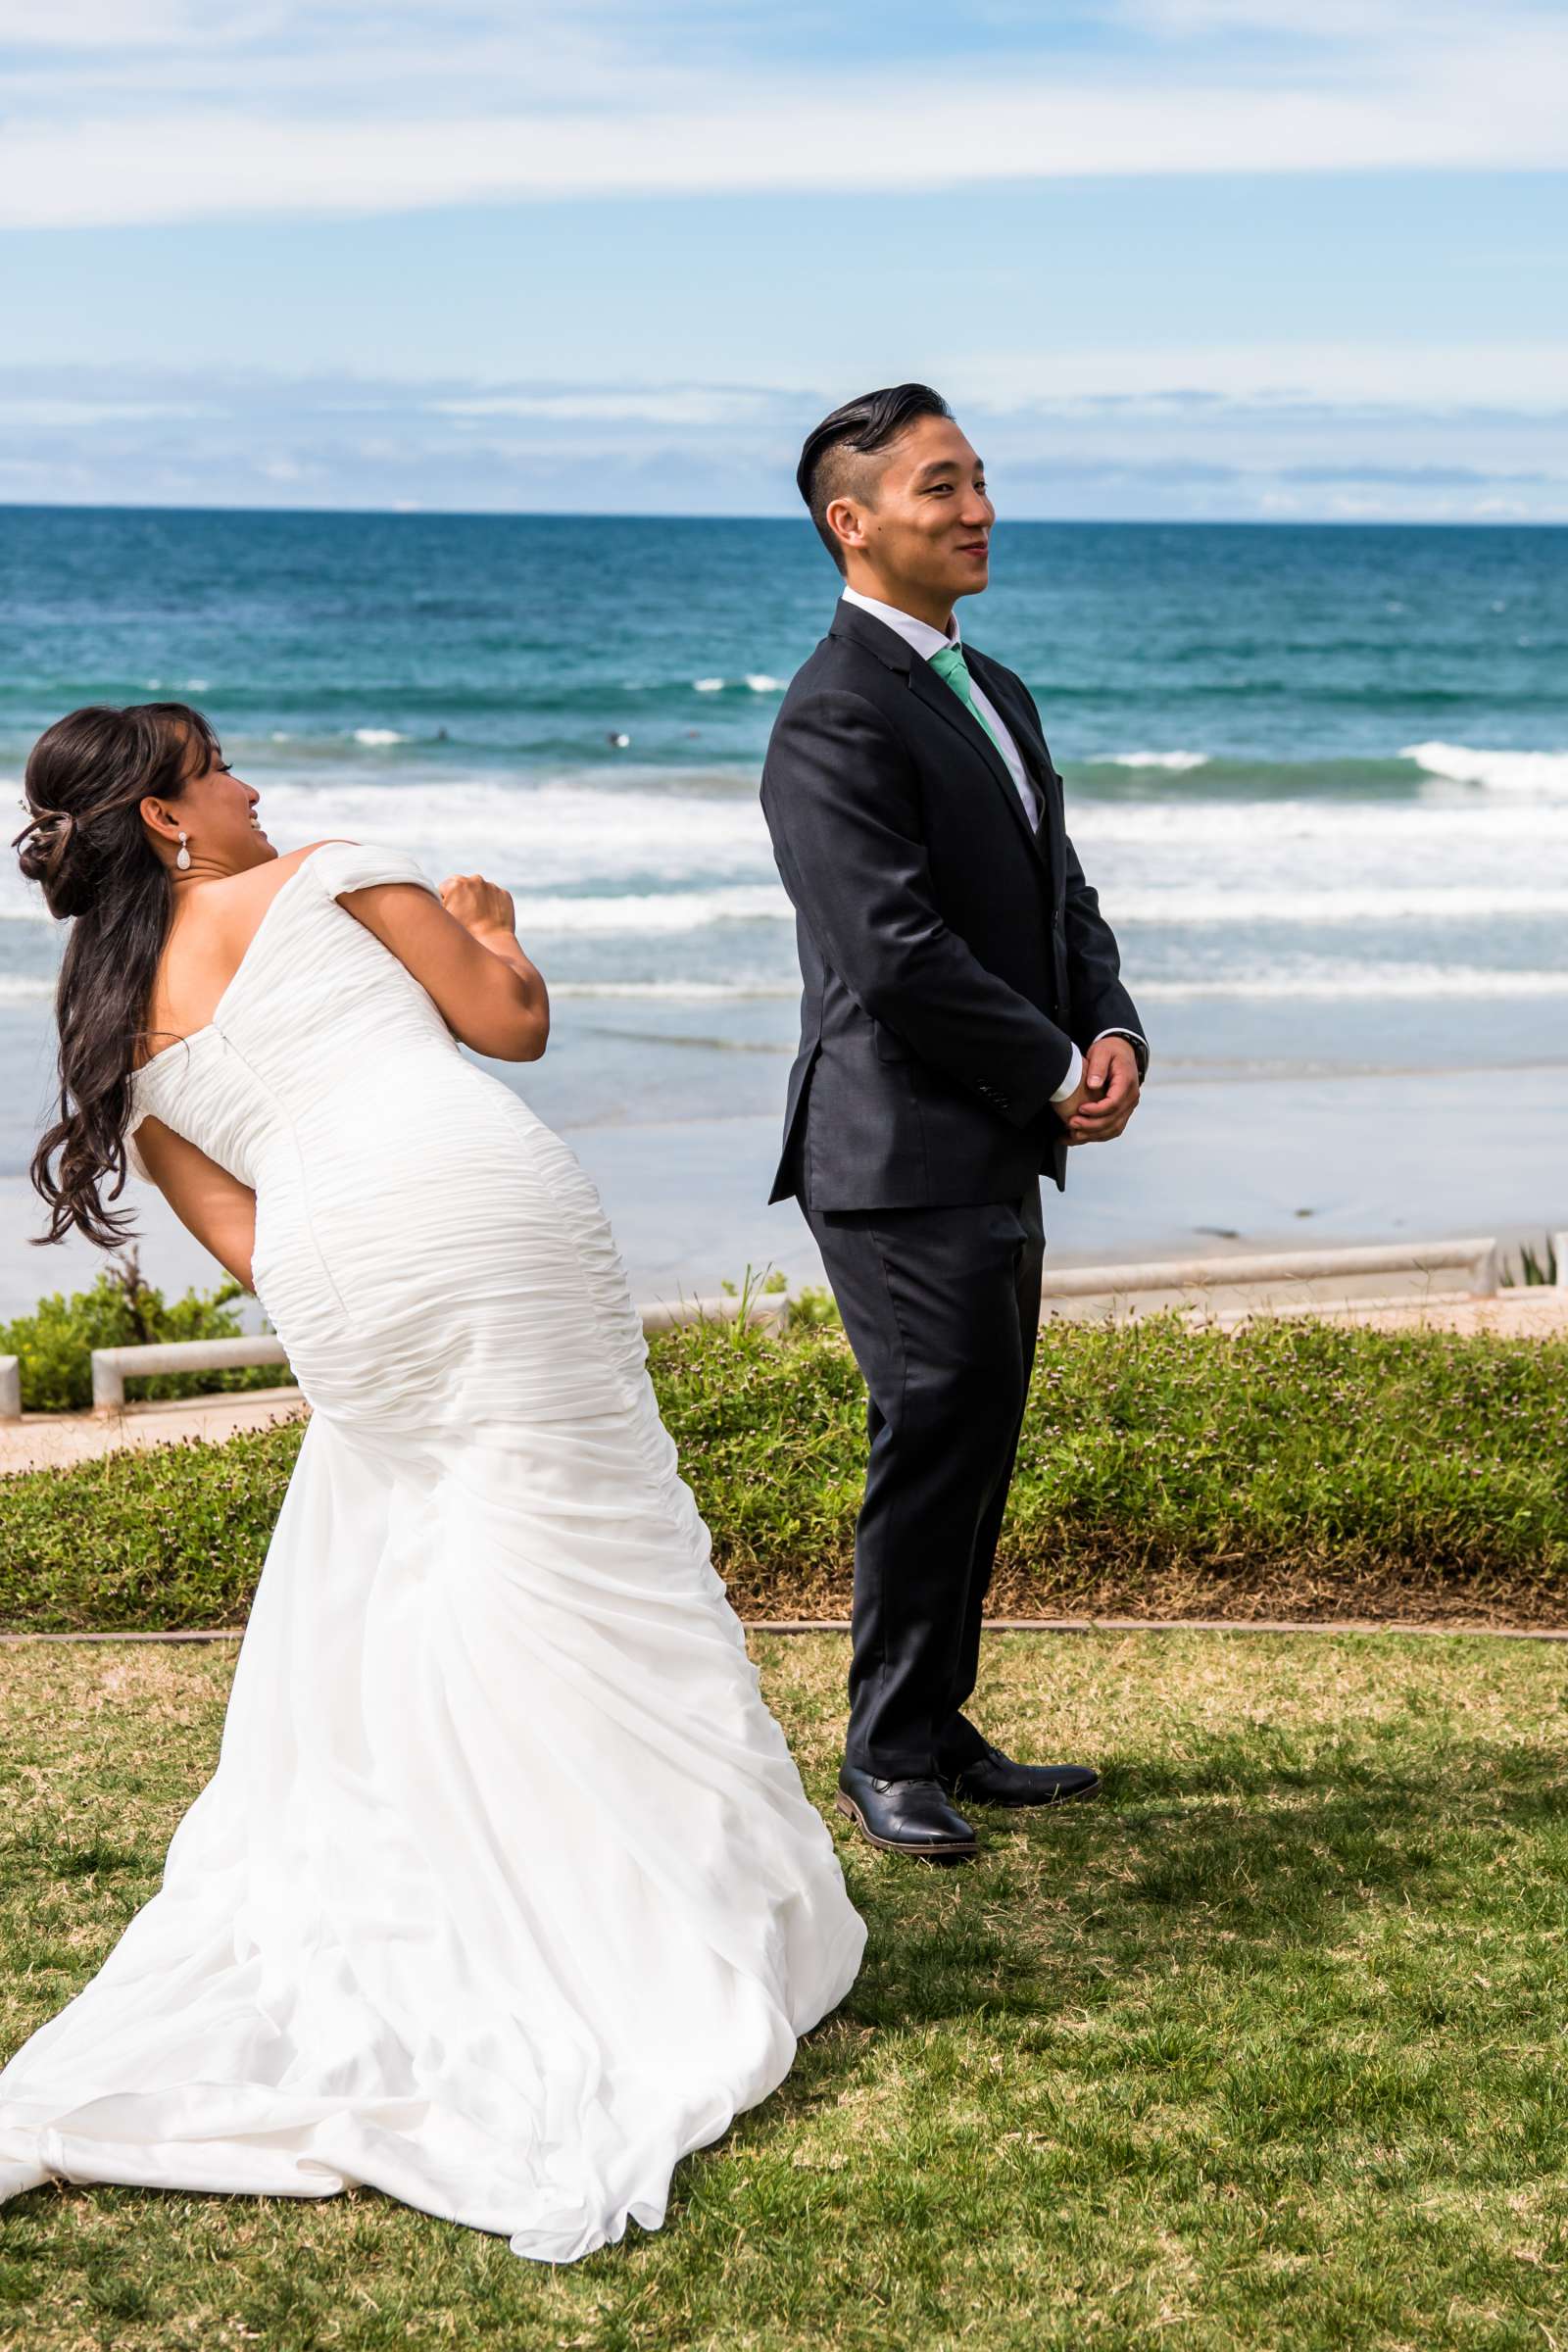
pixel 1109 523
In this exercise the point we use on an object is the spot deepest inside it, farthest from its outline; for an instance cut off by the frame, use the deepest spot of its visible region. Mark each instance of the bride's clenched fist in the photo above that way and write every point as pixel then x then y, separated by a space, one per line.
pixel 477 905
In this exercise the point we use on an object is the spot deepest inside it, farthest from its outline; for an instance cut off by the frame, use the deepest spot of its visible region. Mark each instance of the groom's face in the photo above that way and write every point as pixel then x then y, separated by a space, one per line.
pixel 925 523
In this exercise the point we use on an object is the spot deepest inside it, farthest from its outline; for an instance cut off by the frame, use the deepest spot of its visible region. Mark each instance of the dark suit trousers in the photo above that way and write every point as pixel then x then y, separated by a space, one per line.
pixel 942 1309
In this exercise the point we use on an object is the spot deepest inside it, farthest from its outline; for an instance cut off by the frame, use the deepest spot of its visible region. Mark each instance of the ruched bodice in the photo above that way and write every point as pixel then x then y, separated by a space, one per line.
pixel 504 1893
pixel 328 1082
pixel 315 1024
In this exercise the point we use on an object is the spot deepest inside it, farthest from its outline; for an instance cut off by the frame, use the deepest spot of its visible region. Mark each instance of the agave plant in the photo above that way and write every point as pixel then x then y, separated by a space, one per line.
pixel 1538 1268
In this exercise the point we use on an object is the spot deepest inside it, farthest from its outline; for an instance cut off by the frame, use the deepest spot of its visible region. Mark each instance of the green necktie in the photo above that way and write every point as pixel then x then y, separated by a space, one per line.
pixel 953 670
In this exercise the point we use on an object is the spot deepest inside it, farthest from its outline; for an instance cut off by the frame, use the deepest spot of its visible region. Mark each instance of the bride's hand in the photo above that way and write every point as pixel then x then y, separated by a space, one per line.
pixel 477 905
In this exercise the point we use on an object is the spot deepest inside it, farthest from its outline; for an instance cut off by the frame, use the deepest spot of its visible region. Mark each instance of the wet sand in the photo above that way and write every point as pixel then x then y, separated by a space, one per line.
pixel 1209 1163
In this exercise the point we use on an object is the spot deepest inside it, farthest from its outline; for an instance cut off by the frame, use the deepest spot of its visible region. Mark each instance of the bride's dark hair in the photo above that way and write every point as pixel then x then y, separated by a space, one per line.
pixel 86 845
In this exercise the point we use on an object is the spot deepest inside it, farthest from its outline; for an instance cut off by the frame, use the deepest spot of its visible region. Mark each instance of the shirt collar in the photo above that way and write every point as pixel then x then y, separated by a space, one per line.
pixel 919 634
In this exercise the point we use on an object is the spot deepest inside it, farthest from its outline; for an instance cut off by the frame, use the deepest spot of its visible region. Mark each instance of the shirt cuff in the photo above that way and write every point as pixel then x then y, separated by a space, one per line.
pixel 1075 1071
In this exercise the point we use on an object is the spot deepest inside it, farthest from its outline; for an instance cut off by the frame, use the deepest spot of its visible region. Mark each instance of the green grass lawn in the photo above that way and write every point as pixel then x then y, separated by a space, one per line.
pixel 1264 2049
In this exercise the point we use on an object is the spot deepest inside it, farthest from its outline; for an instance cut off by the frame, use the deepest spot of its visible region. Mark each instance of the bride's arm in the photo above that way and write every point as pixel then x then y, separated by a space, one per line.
pixel 208 1200
pixel 463 952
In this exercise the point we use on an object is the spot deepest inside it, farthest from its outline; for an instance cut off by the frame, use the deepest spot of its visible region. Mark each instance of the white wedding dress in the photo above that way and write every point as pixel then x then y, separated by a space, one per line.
pixel 504 1894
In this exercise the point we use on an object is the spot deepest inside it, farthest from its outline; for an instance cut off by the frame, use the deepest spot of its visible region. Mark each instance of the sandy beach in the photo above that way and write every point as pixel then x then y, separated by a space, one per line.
pixel 1208 1164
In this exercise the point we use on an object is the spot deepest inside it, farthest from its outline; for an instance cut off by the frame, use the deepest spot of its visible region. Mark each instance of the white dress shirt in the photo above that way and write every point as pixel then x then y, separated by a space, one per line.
pixel 927 641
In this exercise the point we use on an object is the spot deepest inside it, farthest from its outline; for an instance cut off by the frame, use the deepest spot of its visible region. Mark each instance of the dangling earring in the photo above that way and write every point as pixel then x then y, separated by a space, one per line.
pixel 183 859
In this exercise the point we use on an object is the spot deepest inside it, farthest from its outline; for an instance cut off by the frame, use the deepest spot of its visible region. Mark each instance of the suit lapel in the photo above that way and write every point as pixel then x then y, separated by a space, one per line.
pixel 1032 751
pixel 939 696
pixel 897 655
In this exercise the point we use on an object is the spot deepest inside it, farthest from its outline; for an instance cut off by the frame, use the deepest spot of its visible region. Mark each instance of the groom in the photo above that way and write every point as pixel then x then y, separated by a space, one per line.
pixel 962 1023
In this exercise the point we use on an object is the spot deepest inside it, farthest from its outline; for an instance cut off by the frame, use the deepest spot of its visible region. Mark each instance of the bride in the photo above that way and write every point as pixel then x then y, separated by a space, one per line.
pixel 504 1894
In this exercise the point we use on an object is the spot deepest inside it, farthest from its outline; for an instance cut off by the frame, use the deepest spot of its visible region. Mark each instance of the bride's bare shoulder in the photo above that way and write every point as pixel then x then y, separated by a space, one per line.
pixel 289 862
pixel 245 896
pixel 211 929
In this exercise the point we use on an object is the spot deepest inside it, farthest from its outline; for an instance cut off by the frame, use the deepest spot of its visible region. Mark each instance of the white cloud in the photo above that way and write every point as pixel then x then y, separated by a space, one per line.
pixel 494 110
pixel 80 54
pixel 149 437
pixel 681 404
pixel 1432 378
pixel 1360 20
pixel 98 24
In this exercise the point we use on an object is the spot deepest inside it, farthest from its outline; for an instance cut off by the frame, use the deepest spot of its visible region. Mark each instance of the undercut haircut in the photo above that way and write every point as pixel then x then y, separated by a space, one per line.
pixel 828 467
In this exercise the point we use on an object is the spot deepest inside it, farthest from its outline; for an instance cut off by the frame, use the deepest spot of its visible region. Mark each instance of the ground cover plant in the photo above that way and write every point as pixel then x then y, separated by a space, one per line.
pixel 1263 2050
pixel 1287 1469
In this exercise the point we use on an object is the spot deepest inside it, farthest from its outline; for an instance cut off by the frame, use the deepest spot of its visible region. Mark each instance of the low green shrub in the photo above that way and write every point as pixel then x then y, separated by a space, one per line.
pixel 170 1538
pixel 1288 1468
pixel 55 1340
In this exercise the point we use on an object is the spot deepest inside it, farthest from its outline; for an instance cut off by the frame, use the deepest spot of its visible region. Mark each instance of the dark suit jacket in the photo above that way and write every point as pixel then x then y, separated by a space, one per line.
pixel 952 958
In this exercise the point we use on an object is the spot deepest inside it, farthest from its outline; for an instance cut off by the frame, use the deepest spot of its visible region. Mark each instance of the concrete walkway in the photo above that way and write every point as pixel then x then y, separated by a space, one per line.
pixel 53 1441
pixel 1526 1314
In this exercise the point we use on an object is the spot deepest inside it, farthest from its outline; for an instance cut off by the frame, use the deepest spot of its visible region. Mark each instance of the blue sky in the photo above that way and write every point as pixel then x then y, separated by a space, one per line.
pixel 1169 258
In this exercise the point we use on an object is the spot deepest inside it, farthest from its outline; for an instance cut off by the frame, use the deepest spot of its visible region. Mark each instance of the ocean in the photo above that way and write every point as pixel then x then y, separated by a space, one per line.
pixel 1318 774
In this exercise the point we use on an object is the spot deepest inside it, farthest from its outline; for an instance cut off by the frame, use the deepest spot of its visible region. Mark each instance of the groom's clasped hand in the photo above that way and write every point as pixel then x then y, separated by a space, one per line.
pixel 1109 1094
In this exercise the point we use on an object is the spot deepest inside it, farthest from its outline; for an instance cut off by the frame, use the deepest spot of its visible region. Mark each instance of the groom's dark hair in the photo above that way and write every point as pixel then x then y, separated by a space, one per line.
pixel 827 469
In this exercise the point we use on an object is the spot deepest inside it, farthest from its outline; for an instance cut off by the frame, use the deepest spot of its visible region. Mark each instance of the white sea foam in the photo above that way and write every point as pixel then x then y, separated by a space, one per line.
pixel 547 836
pixel 1178 761
pixel 1328 910
pixel 711 992
pixel 378 736
pixel 654 911
pixel 1328 982
pixel 636 832
pixel 1529 772
pixel 1543 774
pixel 761 684
pixel 634 852
pixel 709 685
pixel 649 825
pixel 682 911
pixel 652 825
pixel 1456 830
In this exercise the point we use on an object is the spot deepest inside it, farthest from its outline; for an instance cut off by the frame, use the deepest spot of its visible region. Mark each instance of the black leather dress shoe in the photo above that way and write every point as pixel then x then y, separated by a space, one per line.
pixel 996 1780
pixel 906 1817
